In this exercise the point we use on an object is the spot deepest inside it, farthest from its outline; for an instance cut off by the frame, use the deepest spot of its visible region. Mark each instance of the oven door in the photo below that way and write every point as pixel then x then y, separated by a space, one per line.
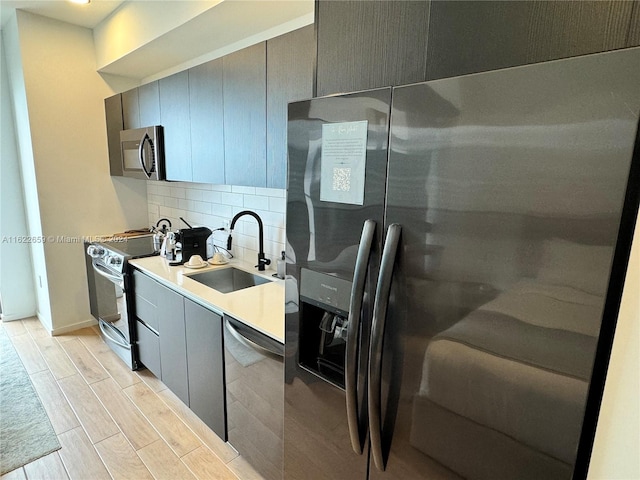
pixel 112 312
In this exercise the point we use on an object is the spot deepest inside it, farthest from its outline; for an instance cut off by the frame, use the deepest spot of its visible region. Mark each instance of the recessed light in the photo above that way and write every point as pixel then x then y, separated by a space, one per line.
pixel 80 2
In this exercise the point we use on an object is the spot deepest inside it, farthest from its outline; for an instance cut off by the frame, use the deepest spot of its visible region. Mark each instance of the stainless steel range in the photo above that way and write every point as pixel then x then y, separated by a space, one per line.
pixel 109 281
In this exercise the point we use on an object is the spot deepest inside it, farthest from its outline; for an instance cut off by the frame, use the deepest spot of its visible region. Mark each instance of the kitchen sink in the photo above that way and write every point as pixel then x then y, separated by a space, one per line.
pixel 228 280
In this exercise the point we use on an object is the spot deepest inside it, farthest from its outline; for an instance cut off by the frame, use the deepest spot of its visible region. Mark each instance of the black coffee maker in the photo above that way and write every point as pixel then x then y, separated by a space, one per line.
pixel 194 242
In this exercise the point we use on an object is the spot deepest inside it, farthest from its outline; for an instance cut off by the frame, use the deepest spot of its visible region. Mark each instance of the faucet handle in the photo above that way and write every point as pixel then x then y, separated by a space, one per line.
pixel 262 261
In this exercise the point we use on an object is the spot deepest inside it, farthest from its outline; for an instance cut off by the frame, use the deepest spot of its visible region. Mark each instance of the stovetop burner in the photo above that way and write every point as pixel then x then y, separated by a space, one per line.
pixel 114 254
pixel 131 247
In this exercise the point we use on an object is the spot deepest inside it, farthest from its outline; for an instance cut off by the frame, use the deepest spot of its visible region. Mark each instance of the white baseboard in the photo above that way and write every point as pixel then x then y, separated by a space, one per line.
pixel 73 327
pixel 16 316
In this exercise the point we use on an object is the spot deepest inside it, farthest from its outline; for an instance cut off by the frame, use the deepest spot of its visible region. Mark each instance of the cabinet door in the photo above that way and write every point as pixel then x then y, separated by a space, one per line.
pixel 149 101
pixel 245 116
pixel 290 63
pixel 130 109
pixel 205 361
pixel 207 122
pixel 113 113
pixel 148 349
pixel 364 45
pixel 469 37
pixel 173 345
pixel 174 116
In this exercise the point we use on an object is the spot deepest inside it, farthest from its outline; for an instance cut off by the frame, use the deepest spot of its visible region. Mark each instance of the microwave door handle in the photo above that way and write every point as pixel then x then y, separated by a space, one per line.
pixel 380 305
pixel 353 333
pixel 145 138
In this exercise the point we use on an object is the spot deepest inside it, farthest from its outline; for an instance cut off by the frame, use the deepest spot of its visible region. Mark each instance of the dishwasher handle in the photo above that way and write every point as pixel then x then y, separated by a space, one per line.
pixel 258 342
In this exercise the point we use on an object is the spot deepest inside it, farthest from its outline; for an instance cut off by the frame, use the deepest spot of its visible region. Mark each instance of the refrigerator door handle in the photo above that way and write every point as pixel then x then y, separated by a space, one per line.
pixel 353 330
pixel 377 334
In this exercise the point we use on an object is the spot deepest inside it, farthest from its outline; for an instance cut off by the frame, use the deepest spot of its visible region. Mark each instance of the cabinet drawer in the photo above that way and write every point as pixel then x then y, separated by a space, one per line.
pixel 149 349
pixel 147 312
pixel 145 287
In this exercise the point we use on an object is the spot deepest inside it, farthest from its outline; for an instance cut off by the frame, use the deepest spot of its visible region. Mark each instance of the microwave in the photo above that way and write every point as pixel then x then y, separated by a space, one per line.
pixel 142 153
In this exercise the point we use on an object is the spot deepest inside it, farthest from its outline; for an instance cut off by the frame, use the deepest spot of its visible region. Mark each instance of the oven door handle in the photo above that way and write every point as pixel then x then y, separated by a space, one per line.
pixel 105 332
pixel 103 272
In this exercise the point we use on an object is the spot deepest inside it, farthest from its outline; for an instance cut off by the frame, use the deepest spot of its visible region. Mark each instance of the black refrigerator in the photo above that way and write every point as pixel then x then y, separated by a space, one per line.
pixel 456 251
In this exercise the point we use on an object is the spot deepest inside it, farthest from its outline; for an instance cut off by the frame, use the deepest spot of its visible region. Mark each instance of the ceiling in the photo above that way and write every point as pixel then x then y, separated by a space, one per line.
pixel 83 15
pixel 220 28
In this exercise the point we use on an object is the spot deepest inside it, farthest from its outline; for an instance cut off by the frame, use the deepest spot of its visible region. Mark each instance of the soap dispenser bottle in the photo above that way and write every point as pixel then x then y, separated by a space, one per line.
pixel 281 265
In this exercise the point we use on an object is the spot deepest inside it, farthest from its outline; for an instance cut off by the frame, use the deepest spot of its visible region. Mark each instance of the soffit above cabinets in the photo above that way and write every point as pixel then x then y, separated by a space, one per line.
pixel 209 30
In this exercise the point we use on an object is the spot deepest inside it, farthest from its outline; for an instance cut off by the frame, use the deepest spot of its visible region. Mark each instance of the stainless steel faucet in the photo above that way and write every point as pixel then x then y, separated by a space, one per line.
pixel 262 261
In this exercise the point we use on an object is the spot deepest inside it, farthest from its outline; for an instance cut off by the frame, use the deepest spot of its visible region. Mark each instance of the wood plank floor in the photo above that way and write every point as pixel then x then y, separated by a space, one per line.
pixel 112 422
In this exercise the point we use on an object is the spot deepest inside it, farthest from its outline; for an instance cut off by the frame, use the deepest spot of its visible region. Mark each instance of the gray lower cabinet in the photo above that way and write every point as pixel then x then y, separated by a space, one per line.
pixel 204 366
pixel 149 348
pixel 180 342
pixel 173 342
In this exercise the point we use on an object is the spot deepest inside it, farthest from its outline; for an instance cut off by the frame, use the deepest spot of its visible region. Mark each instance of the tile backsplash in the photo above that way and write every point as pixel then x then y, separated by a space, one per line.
pixel 212 205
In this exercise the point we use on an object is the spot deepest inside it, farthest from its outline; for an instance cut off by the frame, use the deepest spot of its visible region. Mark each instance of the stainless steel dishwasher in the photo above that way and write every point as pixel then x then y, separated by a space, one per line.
pixel 254 375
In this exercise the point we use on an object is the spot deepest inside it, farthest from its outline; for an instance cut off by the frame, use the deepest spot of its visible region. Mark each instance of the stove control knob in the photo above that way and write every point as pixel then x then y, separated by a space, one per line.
pixel 115 260
pixel 95 251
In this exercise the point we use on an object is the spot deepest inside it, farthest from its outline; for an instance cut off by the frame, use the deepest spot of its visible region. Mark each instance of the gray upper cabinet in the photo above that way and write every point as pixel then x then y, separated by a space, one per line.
pixel 149 102
pixel 207 122
pixel 245 116
pixel 175 118
pixel 469 37
pixel 633 39
pixel 113 112
pixel 290 68
pixel 364 45
pixel 130 109
pixel 141 106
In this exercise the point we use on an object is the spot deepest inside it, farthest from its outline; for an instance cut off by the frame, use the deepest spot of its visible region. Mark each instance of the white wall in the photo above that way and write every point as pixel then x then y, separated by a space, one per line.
pixel 77 197
pixel 16 270
pixel 617 442
pixel 18 100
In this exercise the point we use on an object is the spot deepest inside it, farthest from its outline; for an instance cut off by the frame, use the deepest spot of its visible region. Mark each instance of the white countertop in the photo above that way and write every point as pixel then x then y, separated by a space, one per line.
pixel 261 307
